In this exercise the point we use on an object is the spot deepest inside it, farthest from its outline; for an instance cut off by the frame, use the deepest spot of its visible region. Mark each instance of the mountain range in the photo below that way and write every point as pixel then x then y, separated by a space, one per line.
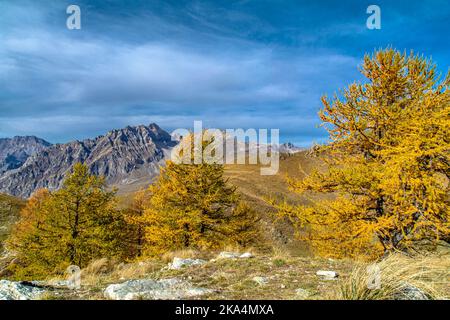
pixel 122 156
pixel 128 158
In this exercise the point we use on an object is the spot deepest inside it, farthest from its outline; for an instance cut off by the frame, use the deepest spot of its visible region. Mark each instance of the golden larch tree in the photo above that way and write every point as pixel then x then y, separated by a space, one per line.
pixel 387 162
pixel 134 217
pixel 71 226
pixel 193 206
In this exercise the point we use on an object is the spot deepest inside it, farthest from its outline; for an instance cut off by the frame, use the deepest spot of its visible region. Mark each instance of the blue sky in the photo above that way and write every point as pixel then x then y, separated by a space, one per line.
pixel 232 64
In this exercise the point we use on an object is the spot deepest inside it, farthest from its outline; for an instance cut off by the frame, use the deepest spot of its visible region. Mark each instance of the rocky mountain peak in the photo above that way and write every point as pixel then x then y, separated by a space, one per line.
pixel 15 151
pixel 289 147
pixel 122 156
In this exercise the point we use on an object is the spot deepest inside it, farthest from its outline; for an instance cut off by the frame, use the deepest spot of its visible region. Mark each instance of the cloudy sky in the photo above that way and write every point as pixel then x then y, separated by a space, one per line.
pixel 232 64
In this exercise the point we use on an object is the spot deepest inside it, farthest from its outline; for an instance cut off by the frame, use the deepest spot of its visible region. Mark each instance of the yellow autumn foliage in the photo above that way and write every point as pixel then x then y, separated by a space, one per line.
pixel 71 226
pixel 192 206
pixel 387 162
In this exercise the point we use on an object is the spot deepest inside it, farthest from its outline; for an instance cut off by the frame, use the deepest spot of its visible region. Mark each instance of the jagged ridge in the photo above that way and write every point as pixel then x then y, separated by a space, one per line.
pixel 121 156
pixel 15 151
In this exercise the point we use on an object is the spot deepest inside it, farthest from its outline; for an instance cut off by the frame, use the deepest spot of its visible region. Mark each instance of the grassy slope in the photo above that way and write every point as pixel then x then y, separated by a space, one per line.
pixel 255 188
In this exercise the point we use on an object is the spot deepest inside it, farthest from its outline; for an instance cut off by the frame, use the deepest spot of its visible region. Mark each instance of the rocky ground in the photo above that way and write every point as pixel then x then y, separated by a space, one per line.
pixel 229 275
pixel 237 275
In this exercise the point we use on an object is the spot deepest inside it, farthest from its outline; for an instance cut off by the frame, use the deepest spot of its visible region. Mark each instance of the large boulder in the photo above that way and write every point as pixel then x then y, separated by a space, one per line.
pixel 11 290
pixel 165 289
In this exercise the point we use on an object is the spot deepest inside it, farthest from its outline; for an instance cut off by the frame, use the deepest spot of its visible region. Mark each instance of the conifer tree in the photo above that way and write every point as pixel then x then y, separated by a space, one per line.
pixel 71 226
pixel 387 162
pixel 26 238
pixel 134 217
pixel 192 206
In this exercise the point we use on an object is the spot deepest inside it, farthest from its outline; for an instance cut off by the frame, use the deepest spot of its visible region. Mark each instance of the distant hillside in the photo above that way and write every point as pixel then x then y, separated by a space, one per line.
pixel 255 187
pixel 15 151
pixel 123 156
pixel 289 148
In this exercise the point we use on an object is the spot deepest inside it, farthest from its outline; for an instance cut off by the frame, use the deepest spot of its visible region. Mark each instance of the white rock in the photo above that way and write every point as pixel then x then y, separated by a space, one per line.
pixel 166 289
pixel 327 275
pixel 179 263
pixel 302 293
pixel 260 280
pixel 11 290
pixel 233 255
pixel 228 255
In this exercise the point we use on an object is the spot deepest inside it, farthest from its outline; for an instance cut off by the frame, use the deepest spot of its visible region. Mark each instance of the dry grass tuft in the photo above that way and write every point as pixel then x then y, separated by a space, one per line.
pixel 281 253
pixel 400 278
pixel 184 254
pixel 236 248
pixel 97 269
pixel 103 271
pixel 136 270
pixel 100 266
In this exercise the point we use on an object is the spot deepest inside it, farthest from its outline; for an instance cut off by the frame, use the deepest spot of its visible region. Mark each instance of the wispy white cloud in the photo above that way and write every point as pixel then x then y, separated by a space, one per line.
pixel 154 67
pixel 95 72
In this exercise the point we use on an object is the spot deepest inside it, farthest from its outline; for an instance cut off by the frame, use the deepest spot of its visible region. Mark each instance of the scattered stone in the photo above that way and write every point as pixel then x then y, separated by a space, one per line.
pixel 302 293
pixel 234 255
pixel 327 275
pixel 12 290
pixel 260 280
pixel 410 292
pixel 55 283
pixel 179 263
pixel 165 289
pixel 228 255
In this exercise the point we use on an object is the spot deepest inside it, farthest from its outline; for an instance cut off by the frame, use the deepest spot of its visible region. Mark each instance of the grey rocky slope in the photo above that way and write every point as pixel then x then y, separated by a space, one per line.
pixel 121 156
pixel 15 151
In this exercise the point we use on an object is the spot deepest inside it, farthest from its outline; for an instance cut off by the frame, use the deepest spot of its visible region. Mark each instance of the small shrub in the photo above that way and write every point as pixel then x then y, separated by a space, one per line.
pixel 279 262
